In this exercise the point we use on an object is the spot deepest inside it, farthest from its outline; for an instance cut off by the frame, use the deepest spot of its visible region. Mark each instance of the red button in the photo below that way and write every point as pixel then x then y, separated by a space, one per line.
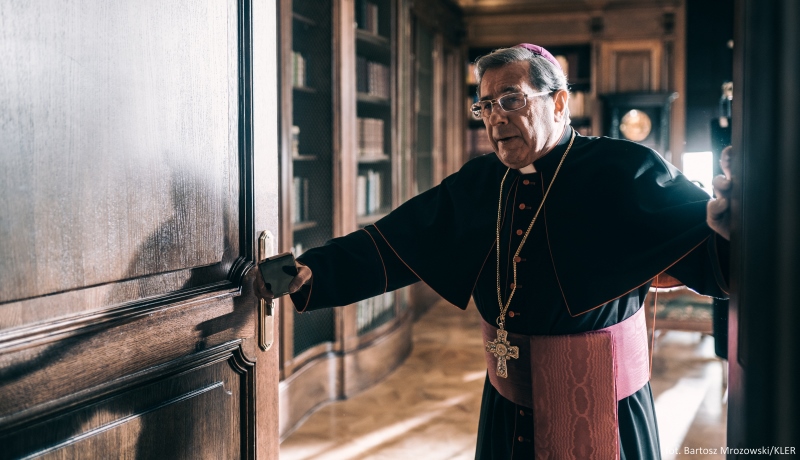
pixel 520 232
pixel 526 182
pixel 522 206
pixel 511 314
pixel 513 285
pixel 522 412
pixel 518 259
pixel 520 439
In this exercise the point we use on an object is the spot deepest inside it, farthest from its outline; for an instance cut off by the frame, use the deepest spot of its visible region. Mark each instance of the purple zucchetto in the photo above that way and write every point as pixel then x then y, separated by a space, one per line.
pixel 539 51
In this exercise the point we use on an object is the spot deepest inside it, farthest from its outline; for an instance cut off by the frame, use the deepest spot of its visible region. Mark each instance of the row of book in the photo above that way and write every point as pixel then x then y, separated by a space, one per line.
pixel 301 200
pixel 373 310
pixel 372 78
pixel 368 193
pixel 298 70
pixel 370 137
pixel 367 16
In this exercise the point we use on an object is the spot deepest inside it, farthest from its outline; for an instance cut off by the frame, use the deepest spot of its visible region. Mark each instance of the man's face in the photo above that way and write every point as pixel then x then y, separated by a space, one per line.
pixel 521 136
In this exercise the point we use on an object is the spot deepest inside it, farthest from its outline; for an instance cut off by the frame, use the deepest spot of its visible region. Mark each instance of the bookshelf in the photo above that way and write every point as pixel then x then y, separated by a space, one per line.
pixel 351 102
pixel 339 173
pixel 375 108
pixel 577 64
pixel 307 158
pixel 375 153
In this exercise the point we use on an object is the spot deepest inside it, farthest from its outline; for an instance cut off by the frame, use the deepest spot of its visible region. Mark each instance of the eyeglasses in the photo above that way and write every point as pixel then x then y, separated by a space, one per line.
pixel 508 102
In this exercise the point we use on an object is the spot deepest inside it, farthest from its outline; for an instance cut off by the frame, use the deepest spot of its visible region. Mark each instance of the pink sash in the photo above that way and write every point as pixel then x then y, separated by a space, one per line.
pixel 572 383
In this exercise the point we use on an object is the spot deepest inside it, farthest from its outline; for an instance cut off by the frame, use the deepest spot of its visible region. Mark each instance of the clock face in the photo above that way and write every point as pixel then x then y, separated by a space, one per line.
pixel 635 125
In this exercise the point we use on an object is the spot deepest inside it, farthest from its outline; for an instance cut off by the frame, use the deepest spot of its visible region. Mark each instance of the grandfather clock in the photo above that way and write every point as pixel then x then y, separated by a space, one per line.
pixel 639 117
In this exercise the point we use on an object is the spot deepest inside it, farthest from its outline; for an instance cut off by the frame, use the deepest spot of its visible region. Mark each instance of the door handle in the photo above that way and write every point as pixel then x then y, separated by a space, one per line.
pixel 266 310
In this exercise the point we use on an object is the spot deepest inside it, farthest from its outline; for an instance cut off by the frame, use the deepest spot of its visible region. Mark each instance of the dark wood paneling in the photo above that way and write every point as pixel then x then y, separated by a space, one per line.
pixel 165 418
pixel 128 208
pixel 120 124
pixel 632 71
pixel 65 367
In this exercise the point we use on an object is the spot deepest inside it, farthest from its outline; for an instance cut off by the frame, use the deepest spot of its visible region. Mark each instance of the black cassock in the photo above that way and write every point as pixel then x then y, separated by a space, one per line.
pixel 616 217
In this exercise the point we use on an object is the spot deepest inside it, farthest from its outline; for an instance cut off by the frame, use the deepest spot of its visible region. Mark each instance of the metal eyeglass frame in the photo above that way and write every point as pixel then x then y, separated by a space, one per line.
pixel 477 108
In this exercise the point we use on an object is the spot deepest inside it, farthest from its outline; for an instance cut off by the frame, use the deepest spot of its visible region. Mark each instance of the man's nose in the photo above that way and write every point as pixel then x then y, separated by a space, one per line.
pixel 498 116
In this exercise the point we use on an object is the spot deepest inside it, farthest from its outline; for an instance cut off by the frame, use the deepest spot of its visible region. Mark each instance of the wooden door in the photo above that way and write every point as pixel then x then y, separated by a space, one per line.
pixel 763 343
pixel 138 160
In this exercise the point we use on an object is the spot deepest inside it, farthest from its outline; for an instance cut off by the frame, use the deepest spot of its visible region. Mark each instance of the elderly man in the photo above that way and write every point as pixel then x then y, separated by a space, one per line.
pixel 557 237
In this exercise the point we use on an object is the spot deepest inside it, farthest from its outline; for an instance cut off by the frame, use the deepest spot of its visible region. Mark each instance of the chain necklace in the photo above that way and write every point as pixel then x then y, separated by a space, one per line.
pixel 501 348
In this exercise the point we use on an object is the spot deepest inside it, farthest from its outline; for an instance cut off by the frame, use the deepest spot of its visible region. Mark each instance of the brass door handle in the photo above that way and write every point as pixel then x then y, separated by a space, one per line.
pixel 266 310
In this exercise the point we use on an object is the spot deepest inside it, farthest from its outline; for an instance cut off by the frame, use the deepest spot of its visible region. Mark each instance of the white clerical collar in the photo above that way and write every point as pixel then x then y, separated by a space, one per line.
pixel 530 169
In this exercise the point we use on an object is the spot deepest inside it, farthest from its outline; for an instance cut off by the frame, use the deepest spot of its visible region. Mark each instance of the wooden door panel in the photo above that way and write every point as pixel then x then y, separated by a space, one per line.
pixel 630 66
pixel 122 147
pixel 633 71
pixel 156 417
pixel 111 354
pixel 127 207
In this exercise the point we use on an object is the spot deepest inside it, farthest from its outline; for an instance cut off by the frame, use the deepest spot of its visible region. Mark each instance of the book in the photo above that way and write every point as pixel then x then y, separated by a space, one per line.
pixel 300 200
pixel 368 193
pixel 361 195
pixel 577 104
pixel 372 78
pixel 362 75
pixel 472 79
pixel 370 137
pixel 295 140
pixel 298 70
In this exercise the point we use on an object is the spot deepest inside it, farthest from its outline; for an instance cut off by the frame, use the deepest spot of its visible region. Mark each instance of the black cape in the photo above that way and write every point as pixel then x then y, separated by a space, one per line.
pixel 613 200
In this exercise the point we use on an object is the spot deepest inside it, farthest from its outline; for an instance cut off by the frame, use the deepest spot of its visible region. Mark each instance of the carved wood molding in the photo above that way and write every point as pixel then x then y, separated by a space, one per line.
pixel 10 423
pixel 134 399
pixel 43 333
pixel 244 366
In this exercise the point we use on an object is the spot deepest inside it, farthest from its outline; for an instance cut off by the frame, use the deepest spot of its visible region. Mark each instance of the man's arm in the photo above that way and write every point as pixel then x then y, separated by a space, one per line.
pixel 345 270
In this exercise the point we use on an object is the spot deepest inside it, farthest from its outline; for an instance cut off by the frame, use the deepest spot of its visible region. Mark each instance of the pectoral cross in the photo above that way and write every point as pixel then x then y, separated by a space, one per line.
pixel 502 350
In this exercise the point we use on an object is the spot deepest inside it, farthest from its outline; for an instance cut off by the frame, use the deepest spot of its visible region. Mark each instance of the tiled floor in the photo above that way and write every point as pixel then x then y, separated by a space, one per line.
pixel 428 408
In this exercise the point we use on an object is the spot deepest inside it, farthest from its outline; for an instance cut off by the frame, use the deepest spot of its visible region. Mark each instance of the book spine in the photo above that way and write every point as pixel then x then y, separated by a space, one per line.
pixel 295 140
pixel 295 211
pixel 361 195
pixel 362 75
pixel 305 216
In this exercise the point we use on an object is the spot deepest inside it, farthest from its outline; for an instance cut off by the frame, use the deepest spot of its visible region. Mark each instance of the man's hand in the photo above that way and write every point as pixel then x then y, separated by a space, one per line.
pixel 303 277
pixel 718 210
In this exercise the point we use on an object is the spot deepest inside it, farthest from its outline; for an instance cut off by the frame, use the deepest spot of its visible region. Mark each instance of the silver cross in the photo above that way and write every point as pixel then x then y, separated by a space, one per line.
pixel 502 350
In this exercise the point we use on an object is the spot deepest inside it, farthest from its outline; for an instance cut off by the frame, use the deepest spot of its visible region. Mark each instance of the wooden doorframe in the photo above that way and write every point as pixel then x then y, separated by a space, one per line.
pixel 266 148
pixel 764 346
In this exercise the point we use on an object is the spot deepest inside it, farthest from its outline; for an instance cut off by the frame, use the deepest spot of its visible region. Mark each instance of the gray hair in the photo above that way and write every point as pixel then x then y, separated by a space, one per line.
pixel 544 75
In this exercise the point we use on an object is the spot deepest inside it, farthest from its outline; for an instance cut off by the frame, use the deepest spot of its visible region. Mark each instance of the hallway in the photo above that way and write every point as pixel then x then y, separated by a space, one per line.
pixel 428 408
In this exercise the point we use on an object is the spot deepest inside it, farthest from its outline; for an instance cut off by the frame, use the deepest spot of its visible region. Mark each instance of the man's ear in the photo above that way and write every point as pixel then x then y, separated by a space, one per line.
pixel 560 99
